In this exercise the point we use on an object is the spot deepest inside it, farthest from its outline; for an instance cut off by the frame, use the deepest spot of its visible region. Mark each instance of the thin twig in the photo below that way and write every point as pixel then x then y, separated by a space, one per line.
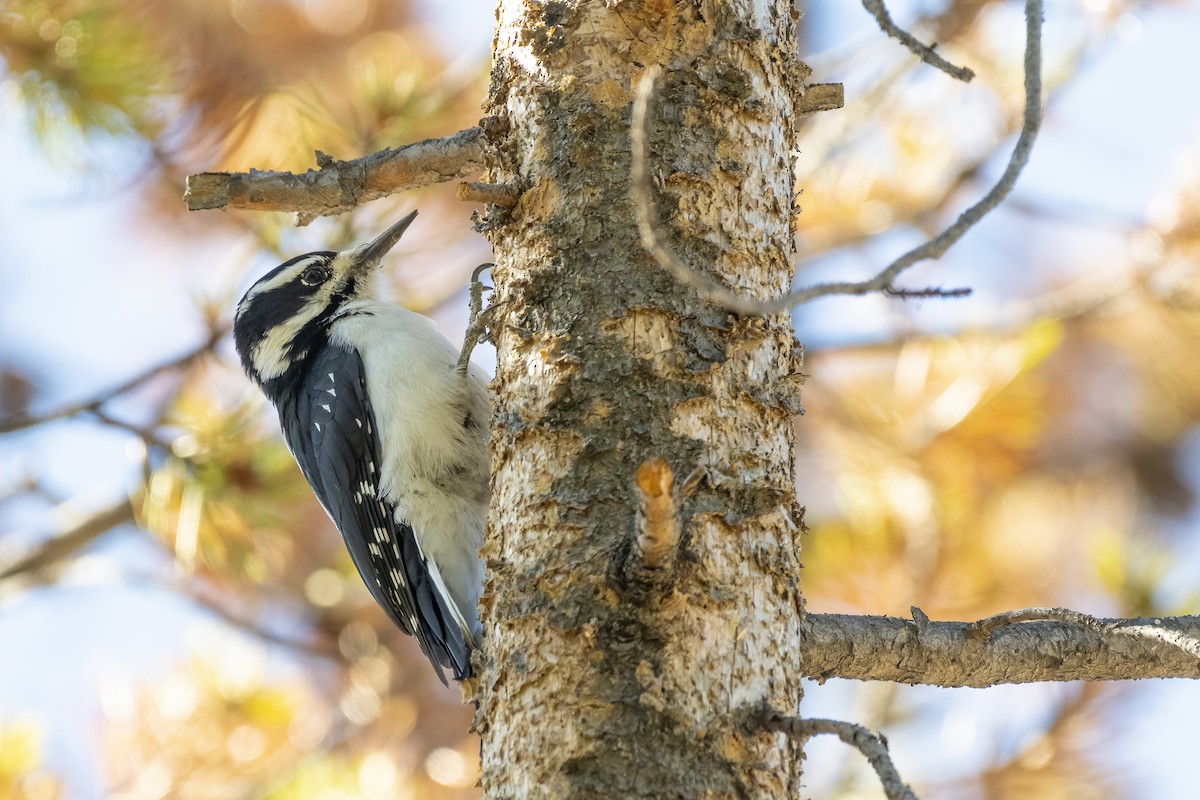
pixel 985 626
pixel 1081 300
pixel 640 192
pixel 925 52
pixel 936 247
pixel 654 241
pixel 871 745
pixel 147 433
pixel 206 598
pixel 71 540
pixel 18 422
pixel 884 281
pixel 340 186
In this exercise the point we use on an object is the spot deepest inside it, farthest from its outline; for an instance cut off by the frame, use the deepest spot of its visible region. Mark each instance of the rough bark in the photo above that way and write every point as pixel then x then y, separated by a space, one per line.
pixel 593 683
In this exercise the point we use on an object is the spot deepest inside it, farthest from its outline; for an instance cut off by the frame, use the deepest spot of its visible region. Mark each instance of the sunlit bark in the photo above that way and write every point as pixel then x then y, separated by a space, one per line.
pixel 597 682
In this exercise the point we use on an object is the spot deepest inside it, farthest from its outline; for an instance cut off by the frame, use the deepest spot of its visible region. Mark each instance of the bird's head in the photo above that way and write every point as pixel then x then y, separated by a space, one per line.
pixel 286 314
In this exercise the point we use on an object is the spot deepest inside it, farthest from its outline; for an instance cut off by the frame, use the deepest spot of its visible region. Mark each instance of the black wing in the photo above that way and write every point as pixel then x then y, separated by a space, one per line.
pixel 330 428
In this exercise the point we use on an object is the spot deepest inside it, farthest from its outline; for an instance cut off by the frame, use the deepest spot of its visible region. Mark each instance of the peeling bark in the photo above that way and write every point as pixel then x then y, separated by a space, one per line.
pixel 592 685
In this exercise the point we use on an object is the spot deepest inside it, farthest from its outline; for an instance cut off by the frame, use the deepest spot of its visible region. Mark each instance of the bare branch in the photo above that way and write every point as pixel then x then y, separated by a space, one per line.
pixel 70 541
pixel 821 97
pixel 884 281
pixel 925 52
pixel 936 247
pixel 927 292
pixel 871 745
pixel 879 648
pixel 496 194
pixel 340 186
pixel 208 598
pixel 146 432
pixel 94 405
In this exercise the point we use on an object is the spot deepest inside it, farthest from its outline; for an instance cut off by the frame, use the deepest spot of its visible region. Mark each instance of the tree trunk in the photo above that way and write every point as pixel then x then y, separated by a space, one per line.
pixel 600 679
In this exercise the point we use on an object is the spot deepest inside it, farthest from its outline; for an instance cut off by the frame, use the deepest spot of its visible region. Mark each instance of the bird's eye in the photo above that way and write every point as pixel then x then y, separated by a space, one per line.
pixel 314 275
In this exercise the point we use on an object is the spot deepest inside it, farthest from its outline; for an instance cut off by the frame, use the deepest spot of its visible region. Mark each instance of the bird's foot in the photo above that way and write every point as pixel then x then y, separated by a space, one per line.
pixel 477 322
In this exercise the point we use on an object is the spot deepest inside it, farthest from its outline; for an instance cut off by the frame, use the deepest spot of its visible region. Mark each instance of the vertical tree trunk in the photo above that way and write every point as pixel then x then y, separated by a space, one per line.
pixel 595 684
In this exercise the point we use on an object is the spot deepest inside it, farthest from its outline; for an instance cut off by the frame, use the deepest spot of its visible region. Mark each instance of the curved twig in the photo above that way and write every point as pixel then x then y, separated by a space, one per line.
pixel 926 53
pixel 871 745
pixel 884 281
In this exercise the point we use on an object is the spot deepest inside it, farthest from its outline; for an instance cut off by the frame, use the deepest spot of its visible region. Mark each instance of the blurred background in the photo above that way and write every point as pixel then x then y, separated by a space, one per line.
pixel 178 618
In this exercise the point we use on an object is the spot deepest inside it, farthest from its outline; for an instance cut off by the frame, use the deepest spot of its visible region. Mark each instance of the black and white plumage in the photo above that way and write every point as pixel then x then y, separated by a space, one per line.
pixel 388 432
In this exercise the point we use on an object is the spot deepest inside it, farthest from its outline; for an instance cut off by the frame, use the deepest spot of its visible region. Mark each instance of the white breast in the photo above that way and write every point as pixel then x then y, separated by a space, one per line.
pixel 435 466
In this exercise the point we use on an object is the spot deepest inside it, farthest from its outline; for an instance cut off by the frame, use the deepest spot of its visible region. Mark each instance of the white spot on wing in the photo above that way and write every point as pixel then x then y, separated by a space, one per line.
pixel 318 425
pixel 325 406
pixel 375 551
pixel 332 392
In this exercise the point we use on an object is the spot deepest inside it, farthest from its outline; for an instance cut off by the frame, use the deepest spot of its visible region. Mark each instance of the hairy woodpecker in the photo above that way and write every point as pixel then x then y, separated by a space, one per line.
pixel 390 434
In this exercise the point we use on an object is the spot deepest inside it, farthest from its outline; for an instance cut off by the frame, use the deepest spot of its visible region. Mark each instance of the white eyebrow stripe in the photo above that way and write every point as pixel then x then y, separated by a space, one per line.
pixel 286 276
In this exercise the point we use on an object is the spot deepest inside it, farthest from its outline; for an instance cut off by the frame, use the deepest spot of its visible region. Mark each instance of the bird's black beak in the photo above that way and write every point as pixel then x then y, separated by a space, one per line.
pixel 371 254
